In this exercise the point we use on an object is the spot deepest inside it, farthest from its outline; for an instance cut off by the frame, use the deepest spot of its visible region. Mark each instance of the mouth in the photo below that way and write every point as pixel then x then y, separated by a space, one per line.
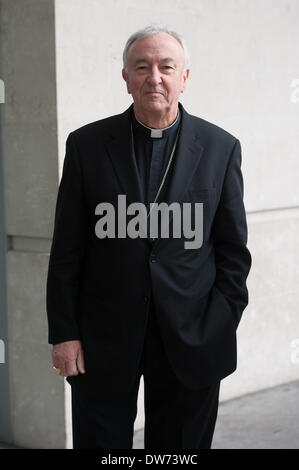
pixel 154 93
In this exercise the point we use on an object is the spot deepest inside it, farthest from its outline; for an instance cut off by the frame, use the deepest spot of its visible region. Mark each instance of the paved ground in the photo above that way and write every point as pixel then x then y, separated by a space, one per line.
pixel 263 420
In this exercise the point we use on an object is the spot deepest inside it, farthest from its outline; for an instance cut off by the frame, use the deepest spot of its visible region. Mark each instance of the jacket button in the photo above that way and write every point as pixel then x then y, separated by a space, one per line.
pixel 154 259
pixel 145 300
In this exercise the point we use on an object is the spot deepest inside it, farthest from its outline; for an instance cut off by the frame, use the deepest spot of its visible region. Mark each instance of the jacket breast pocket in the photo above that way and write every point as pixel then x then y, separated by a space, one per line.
pixel 201 195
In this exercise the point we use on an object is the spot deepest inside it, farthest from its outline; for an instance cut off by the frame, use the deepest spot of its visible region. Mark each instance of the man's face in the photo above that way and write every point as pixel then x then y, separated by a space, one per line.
pixel 155 75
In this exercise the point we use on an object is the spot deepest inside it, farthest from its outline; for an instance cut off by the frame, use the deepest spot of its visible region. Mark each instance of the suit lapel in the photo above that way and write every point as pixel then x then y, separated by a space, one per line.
pixel 120 150
pixel 188 155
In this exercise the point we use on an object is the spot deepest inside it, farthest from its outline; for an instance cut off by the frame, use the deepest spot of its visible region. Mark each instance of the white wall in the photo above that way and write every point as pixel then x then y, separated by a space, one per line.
pixel 244 57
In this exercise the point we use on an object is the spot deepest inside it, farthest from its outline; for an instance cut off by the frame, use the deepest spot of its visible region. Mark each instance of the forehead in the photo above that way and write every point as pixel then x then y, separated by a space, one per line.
pixel 158 46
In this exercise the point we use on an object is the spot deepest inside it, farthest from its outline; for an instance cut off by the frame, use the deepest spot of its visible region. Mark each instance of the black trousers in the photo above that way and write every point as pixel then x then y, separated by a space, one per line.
pixel 175 417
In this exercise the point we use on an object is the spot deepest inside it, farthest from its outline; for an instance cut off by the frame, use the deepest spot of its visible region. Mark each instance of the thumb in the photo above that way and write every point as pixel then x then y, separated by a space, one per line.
pixel 80 362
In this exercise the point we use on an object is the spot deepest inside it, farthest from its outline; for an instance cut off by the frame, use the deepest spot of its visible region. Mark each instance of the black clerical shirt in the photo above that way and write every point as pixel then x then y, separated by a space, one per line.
pixel 152 156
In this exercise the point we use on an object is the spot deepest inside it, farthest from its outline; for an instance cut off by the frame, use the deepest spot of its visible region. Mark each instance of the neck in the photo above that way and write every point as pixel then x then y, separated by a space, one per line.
pixel 156 121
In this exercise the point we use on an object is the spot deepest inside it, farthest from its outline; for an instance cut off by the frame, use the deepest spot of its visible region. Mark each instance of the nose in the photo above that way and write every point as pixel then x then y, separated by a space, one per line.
pixel 154 77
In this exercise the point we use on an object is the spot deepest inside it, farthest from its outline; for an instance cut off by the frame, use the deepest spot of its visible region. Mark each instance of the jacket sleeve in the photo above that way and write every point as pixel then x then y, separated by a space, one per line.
pixel 67 251
pixel 233 259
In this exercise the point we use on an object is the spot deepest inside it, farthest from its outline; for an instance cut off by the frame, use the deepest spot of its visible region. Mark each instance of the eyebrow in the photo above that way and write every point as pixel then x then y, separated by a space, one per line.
pixel 165 60
pixel 168 59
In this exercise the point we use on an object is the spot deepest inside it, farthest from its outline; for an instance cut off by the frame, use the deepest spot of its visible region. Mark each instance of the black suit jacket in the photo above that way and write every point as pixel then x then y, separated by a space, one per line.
pixel 98 290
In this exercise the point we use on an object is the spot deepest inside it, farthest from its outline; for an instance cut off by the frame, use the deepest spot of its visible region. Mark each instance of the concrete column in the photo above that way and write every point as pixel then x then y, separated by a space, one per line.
pixel 5 409
pixel 27 38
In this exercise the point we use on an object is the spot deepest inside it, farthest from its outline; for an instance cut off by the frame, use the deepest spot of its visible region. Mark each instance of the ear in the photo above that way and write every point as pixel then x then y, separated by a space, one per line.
pixel 126 79
pixel 185 78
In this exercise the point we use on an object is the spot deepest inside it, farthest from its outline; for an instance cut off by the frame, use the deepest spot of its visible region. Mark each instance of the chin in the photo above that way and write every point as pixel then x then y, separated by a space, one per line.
pixel 152 105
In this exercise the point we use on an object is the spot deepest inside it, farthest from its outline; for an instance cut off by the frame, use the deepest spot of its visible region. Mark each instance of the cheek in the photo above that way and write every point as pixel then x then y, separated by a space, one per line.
pixel 174 88
pixel 135 85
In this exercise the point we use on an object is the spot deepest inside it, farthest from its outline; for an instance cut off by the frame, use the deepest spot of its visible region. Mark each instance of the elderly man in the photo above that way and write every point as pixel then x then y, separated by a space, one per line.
pixel 121 306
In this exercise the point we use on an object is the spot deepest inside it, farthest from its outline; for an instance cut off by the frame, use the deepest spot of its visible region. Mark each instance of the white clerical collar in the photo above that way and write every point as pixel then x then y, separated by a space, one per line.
pixel 157 133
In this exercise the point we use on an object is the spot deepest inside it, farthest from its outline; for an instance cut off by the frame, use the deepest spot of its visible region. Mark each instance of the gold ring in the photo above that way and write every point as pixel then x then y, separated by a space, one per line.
pixel 57 370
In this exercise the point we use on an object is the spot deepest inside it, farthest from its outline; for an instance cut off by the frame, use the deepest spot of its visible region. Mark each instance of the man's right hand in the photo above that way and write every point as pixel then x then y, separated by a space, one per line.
pixel 68 357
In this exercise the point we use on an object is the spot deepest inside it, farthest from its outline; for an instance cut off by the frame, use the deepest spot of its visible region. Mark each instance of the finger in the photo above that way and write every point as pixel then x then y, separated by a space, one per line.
pixel 56 369
pixel 80 362
pixel 61 367
pixel 71 368
pixel 58 365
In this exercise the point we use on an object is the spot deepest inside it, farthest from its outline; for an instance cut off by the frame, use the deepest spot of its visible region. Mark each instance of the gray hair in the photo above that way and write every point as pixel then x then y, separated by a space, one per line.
pixel 150 31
